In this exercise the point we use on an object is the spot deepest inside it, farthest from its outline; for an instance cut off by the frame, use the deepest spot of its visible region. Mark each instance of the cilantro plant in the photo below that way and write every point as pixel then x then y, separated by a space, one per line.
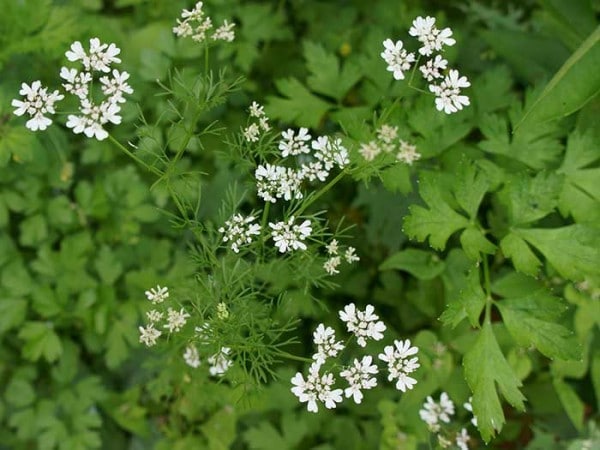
pixel 240 224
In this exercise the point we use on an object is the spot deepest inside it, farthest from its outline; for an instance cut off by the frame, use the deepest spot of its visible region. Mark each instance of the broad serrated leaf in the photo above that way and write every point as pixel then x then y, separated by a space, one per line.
pixel 575 83
pixel 438 221
pixel 492 90
pixel 108 266
pixel 469 302
pixel 573 405
pixel 530 199
pixel 469 187
pixel 474 242
pixel 325 75
pixel 574 250
pixel 485 368
pixel 522 257
pixel 40 340
pixel 220 429
pixel 265 437
pixel 419 263
pixel 531 321
pixel 12 313
pixel 298 105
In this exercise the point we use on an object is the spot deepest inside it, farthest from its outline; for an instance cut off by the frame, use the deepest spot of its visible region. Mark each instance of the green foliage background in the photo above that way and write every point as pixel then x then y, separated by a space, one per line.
pixel 495 230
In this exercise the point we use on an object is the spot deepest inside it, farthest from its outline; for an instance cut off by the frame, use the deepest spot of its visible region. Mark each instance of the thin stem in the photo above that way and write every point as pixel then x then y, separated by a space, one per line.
pixel 133 156
pixel 488 290
pixel 320 193
pixel 292 357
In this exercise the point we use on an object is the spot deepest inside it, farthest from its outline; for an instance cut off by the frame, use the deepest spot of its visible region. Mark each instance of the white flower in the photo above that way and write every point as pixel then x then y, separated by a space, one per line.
pixel 433 413
pixel 350 255
pixel 93 118
pixel 370 150
pixel 149 335
pixel 288 236
pixel 408 153
pixel 332 247
pixel 294 144
pixel 114 88
pixel 330 152
pixel 315 388
pixel 240 231
pixel 359 377
pixel 222 311
pixel 158 295
pixel 203 332
pixel 154 316
pixel 399 366
pixel 251 133
pixel 332 264
pixel 219 362
pixel 224 32
pixel 431 69
pixel 327 346
pixel 263 122
pixel 37 103
pixel 191 356
pixel 462 438
pixel 256 110
pixel 448 98
pixel 314 170
pixel 273 182
pixel 387 133
pixel 397 58
pixel 431 38
pixel 176 319
pixel 469 407
pixel 363 324
pixel 99 58
pixel 77 83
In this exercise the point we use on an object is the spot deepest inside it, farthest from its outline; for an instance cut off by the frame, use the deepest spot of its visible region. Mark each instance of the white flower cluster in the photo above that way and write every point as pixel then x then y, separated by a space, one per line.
pixel 388 142
pixel 436 414
pixel 196 24
pixel 335 257
pixel 174 321
pixel 363 324
pixel 400 365
pixel 288 236
pixel 239 230
pixel 360 375
pixel 275 182
pixel 114 86
pixel 446 87
pixel 38 104
pixel 252 132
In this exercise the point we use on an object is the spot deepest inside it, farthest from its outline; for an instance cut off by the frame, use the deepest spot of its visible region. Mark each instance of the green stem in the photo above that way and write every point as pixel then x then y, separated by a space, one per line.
pixel 292 357
pixel 320 193
pixel 488 290
pixel 133 156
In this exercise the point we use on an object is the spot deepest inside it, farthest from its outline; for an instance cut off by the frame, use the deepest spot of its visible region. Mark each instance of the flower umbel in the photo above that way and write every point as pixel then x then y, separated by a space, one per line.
pixel 37 103
pixel 288 236
pixel 239 230
pixel 433 412
pixel 363 324
pixel 399 364
pixel 360 376
pixel 158 294
pixel 327 346
pixel 315 388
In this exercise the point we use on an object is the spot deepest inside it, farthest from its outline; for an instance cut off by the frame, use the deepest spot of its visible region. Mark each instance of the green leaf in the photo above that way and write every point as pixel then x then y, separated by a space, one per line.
pixel 485 367
pixel 469 303
pixel 397 178
pixel 469 187
pixel 438 221
pixel 12 313
pixel 298 105
pixel 522 257
pixel 325 75
pixel 574 250
pixel 572 22
pixel 34 231
pixel 531 321
pixel 40 340
pixel 419 263
pixel 19 392
pixel 474 243
pixel 575 83
pixel 265 437
pixel 530 199
pixel 108 266
pixel 573 405
pixel 220 429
